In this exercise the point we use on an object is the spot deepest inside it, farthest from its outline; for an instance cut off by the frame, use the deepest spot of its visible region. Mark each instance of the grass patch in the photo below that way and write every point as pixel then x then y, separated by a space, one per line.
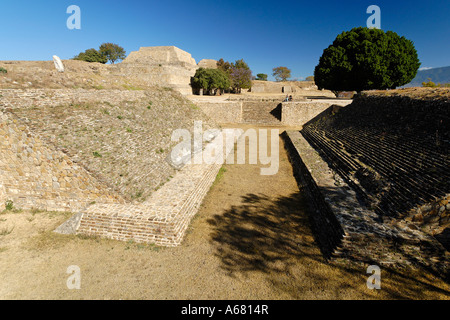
pixel 220 175
pixel 9 207
pixel 96 154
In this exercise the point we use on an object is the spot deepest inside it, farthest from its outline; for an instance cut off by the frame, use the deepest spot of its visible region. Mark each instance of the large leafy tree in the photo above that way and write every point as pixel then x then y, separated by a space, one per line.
pixel 91 55
pixel 112 52
pixel 281 73
pixel 241 78
pixel 364 59
pixel 238 72
pixel 210 79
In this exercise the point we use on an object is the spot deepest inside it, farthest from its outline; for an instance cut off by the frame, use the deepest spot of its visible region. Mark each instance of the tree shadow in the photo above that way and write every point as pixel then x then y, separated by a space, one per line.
pixel 260 233
pixel 273 237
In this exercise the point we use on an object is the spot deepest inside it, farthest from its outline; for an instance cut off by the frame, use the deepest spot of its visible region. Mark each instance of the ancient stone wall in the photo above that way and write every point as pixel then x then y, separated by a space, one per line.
pixel 30 98
pixel 267 112
pixel 394 153
pixel 35 175
pixel 162 219
pixel 164 66
pixel 298 113
pixel 222 112
pixel 39 173
pixel 346 229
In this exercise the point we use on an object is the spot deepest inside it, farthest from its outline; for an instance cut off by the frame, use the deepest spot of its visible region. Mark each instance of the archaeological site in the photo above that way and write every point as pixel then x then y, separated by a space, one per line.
pixel 96 141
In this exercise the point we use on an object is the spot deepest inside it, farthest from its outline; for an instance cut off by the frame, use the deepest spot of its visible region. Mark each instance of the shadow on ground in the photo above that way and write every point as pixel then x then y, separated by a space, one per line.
pixel 272 237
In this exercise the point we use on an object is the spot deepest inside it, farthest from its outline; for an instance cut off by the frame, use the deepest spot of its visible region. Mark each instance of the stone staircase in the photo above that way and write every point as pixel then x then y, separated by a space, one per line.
pixel 261 112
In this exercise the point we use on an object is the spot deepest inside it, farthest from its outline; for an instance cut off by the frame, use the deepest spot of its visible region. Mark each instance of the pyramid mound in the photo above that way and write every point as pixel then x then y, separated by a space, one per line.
pixel 164 66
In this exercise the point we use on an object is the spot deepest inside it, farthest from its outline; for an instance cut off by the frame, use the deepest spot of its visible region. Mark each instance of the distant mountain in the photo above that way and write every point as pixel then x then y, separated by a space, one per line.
pixel 437 75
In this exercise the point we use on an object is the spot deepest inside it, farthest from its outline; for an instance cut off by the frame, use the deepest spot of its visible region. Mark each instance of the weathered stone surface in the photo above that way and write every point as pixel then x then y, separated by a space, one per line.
pixel 164 218
pixel 208 64
pixel 32 183
pixel 58 64
pixel 344 228
pixel 164 66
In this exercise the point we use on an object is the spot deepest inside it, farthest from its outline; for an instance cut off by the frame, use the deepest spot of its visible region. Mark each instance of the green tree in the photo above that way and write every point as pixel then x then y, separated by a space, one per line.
pixel 364 59
pixel 261 76
pixel 210 79
pixel 91 55
pixel 281 73
pixel 112 52
pixel 239 73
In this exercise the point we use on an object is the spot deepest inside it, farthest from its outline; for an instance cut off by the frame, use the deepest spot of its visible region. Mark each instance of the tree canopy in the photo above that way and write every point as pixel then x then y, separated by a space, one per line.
pixel 210 79
pixel 112 52
pixel 364 59
pixel 281 73
pixel 261 76
pixel 91 55
pixel 238 72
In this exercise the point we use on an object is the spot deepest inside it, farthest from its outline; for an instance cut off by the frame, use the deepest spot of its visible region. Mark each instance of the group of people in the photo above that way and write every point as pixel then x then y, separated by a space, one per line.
pixel 288 98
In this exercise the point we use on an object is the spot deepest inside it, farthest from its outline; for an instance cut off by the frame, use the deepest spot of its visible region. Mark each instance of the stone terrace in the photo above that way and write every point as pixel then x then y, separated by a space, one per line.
pixel 165 216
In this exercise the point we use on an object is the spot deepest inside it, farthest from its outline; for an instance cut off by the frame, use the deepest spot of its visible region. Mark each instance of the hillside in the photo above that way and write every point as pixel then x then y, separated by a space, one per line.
pixel 437 75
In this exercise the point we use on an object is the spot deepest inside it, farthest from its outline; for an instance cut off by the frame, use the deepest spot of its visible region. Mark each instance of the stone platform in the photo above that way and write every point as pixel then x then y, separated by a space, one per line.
pixel 164 217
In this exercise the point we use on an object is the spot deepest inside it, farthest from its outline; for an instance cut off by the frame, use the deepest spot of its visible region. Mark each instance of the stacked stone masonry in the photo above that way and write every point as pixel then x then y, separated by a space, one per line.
pixel 270 112
pixel 36 175
pixel 392 155
pixel 346 228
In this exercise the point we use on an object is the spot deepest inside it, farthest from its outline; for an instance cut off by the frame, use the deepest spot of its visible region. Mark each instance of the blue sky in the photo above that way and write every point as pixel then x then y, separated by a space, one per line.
pixel 266 34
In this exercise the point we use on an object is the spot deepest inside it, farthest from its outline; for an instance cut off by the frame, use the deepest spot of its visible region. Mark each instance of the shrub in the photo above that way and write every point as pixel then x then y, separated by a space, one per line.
pixel 9 205
pixel 91 55
pixel 3 70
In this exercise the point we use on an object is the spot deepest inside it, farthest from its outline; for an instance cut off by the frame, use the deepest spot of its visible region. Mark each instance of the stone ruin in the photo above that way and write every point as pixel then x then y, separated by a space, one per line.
pixel 165 66
pixel 377 177
pixel 208 64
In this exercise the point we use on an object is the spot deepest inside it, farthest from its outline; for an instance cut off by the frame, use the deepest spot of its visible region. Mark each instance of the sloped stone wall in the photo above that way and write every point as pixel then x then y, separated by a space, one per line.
pixel 35 175
pixel 344 228
pixel 394 152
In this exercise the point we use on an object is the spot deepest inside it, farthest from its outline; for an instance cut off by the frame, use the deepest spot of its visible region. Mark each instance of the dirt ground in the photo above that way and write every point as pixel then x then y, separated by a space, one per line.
pixel 250 240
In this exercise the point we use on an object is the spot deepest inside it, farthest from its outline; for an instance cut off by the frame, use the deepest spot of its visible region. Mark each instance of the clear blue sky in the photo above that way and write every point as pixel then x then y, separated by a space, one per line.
pixel 266 34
